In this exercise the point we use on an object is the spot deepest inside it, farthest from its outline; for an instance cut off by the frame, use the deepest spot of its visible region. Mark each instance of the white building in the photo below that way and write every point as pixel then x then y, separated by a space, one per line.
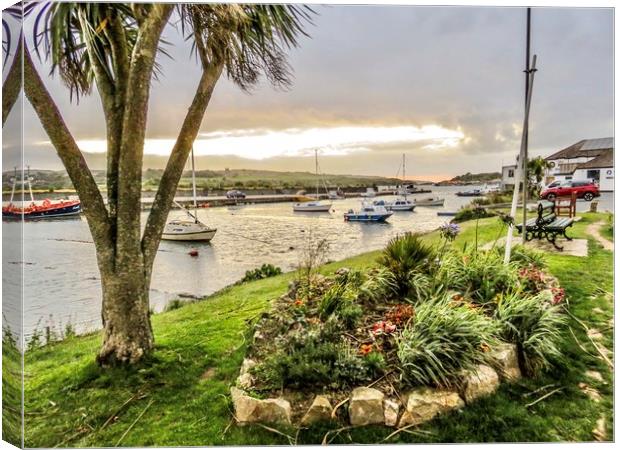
pixel 589 159
pixel 508 177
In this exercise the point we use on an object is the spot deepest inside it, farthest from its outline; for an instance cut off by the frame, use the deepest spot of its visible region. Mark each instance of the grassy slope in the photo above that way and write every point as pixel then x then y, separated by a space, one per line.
pixel 181 396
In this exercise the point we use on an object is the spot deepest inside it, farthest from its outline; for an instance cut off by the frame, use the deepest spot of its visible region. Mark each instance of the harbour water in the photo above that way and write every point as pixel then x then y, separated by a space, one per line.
pixel 61 280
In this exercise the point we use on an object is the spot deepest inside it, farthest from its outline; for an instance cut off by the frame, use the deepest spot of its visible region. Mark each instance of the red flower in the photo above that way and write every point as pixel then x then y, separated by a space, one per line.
pixel 365 349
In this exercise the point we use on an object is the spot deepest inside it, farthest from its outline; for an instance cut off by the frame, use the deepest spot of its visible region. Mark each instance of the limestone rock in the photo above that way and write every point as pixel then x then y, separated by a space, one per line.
pixel 366 406
pixel 319 411
pixel 252 410
pixel 480 382
pixel 245 381
pixel 246 365
pixel 505 358
pixel 391 412
pixel 425 403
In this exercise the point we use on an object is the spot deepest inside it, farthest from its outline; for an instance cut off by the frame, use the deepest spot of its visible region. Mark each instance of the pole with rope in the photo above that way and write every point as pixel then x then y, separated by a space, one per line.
pixel 520 166
pixel 525 130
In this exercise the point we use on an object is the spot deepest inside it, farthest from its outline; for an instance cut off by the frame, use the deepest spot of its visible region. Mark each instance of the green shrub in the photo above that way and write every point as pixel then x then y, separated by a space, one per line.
pixel 524 256
pixel 173 304
pixel 315 358
pixel 535 326
pixel 405 255
pixel 465 214
pixel 264 271
pixel 478 275
pixel 445 338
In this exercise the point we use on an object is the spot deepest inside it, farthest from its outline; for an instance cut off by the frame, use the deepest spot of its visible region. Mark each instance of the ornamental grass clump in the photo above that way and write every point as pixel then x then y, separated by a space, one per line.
pixel 445 338
pixel 404 256
pixel 535 325
pixel 480 276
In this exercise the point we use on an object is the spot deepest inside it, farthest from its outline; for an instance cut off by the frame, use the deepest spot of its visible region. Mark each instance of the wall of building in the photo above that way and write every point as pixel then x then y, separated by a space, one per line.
pixel 605 181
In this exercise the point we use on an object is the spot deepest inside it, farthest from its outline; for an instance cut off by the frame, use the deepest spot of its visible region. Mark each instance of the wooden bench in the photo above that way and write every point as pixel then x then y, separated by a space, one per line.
pixel 546 224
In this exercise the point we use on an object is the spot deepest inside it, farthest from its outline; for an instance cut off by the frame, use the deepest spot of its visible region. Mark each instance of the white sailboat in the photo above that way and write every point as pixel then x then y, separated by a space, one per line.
pixel 313 206
pixel 190 229
pixel 402 204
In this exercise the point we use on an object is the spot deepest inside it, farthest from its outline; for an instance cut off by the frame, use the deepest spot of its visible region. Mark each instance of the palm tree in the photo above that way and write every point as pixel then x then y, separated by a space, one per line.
pixel 114 47
pixel 536 169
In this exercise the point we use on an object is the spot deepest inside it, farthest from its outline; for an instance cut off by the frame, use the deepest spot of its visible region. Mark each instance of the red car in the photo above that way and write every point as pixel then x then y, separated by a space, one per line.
pixel 584 189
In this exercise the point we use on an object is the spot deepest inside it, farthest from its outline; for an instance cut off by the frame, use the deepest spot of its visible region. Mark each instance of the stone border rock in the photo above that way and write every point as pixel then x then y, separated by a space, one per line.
pixel 369 406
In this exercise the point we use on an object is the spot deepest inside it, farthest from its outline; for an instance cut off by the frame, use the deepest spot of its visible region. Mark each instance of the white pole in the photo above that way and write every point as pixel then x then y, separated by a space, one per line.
pixel 520 168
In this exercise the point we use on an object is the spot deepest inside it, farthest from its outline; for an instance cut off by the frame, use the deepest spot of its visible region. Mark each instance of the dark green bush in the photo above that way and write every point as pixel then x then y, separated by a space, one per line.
pixel 404 255
pixel 445 338
pixel 524 256
pixel 465 214
pixel 264 271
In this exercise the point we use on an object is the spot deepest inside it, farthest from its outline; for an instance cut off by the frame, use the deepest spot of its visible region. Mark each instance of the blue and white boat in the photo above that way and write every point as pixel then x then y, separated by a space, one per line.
pixel 368 213
pixel 400 204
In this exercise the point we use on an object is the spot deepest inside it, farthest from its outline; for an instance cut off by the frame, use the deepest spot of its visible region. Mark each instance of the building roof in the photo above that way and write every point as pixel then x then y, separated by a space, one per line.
pixel 605 159
pixel 589 148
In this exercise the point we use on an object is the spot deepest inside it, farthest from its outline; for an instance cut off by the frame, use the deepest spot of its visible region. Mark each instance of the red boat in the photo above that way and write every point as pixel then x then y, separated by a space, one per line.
pixel 44 210
pixel 47 209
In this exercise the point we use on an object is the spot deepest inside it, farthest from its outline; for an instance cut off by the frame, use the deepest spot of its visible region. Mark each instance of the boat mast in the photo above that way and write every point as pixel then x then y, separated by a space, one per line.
pixel 316 171
pixel 405 190
pixel 194 187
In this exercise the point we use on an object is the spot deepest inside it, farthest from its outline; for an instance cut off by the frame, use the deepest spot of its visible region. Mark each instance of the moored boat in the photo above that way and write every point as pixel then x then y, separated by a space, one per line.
pixel 47 209
pixel 430 201
pixel 368 213
pixel 471 193
pixel 312 207
pixel 400 204
pixel 187 230
pixel 190 229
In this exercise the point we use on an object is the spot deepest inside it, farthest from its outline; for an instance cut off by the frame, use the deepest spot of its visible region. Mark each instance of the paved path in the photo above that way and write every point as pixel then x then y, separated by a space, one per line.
pixel 594 230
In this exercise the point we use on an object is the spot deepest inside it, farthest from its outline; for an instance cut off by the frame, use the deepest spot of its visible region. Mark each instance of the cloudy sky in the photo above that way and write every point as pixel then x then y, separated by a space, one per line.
pixel 444 85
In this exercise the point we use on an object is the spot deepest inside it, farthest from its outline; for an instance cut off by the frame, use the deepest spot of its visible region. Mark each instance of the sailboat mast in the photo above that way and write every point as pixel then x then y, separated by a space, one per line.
pixel 316 171
pixel 194 187
pixel 405 186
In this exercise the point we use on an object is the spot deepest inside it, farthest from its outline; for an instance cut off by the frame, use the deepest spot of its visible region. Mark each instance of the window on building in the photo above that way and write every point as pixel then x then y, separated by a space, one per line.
pixel 594 175
pixel 511 173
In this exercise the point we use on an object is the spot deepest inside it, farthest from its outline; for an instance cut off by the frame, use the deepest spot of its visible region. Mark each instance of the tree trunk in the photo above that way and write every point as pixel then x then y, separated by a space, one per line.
pixel 128 336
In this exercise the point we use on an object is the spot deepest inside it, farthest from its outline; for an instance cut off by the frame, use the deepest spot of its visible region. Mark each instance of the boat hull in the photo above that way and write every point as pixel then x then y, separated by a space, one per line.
pixel 312 208
pixel 203 236
pixel 430 202
pixel 50 212
pixel 401 207
pixel 352 217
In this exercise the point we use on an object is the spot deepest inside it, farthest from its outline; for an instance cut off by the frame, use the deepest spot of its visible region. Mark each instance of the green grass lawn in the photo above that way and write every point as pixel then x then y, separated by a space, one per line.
pixel 180 396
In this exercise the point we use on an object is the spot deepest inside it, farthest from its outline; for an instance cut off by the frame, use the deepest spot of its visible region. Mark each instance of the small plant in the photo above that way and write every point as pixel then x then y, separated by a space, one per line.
pixel 465 214
pixel 524 256
pixel 405 255
pixel 444 339
pixel 480 276
pixel 264 271
pixel 534 325
pixel 174 304
pixel 400 314
pixel 313 255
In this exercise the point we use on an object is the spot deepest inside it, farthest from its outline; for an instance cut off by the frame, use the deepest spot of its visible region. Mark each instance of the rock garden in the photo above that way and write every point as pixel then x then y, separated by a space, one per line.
pixel 427 330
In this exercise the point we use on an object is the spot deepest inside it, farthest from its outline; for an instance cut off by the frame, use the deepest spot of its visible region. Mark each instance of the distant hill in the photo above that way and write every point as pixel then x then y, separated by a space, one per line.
pixel 483 177
pixel 55 180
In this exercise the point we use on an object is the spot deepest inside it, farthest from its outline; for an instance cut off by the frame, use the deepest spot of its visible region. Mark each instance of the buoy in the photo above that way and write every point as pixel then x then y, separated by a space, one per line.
pixel 193 252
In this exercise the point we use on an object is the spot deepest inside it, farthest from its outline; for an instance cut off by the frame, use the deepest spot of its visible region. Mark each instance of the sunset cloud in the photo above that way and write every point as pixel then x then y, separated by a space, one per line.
pixel 261 144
